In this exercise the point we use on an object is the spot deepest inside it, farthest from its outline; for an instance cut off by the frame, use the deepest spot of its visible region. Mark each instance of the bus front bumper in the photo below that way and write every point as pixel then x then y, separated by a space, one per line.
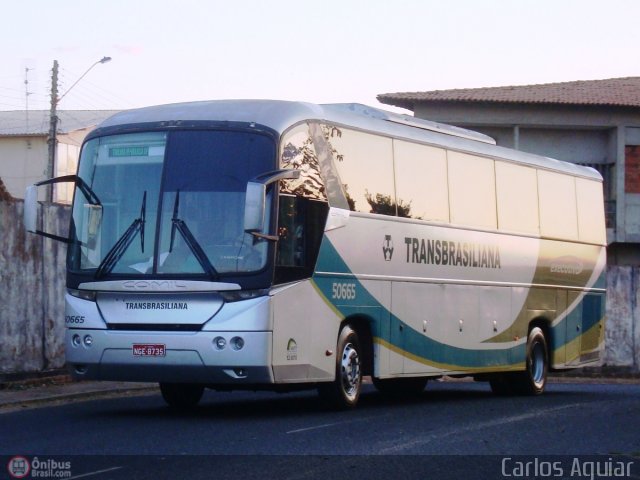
pixel 180 357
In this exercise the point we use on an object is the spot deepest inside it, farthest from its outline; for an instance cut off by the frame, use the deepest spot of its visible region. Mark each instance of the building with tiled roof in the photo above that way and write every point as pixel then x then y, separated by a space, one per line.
pixel 614 92
pixel 24 146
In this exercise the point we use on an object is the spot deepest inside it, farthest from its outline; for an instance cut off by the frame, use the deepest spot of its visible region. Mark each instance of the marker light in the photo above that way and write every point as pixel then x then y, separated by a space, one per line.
pixel 219 343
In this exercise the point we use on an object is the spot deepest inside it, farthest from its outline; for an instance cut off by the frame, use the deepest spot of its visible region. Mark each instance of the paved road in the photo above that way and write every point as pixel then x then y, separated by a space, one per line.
pixel 448 419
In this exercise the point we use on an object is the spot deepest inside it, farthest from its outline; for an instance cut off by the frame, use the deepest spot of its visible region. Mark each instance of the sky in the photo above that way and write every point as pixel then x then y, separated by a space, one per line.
pixel 321 51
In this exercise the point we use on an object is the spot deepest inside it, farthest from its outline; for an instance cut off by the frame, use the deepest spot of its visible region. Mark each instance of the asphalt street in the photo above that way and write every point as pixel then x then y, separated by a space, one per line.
pixel 449 422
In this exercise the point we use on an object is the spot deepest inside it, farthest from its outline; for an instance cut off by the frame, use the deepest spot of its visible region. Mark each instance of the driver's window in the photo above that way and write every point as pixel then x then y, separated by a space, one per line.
pixel 301 224
pixel 302 208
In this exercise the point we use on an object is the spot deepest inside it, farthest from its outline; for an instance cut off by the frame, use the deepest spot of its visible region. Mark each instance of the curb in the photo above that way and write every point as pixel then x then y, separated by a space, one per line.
pixel 32 394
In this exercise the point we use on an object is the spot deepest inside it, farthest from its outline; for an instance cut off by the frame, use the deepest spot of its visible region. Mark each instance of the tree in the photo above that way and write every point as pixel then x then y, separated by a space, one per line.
pixel 384 205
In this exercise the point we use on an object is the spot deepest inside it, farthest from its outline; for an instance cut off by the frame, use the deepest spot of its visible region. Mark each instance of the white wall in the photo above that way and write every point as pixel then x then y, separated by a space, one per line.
pixel 23 161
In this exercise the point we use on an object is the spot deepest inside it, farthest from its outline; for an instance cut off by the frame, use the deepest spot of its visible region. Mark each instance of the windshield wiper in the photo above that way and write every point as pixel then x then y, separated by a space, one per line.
pixel 193 244
pixel 117 251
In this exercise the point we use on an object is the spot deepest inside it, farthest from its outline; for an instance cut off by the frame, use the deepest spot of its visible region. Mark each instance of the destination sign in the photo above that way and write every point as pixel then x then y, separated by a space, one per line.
pixel 131 151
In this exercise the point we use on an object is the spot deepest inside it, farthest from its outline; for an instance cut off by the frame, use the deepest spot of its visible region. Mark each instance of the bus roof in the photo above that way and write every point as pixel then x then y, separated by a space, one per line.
pixel 280 115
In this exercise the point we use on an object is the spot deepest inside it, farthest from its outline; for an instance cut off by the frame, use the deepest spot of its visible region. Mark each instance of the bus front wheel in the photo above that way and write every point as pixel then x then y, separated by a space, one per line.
pixel 181 395
pixel 344 391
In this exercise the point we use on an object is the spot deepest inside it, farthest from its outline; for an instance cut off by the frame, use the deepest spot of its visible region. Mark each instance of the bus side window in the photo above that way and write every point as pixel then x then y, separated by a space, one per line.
pixel 300 228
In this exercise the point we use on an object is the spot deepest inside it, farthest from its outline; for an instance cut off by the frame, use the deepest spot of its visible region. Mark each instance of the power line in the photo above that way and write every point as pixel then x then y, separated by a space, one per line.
pixel 92 93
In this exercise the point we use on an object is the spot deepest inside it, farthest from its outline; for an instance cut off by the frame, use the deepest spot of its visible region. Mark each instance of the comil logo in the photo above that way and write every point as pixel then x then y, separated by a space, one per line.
pixel 387 248
pixel 292 350
pixel 18 467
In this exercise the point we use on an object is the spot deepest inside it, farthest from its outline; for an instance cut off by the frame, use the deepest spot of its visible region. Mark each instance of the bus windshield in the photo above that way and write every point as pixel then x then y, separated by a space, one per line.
pixel 168 203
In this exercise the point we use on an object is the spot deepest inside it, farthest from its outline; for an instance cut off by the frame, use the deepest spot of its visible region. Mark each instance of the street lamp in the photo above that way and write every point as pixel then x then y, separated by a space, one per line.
pixel 102 60
pixel 53 117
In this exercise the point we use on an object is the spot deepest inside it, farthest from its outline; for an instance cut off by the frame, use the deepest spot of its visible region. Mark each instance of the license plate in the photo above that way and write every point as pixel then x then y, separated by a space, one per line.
pixel 149 350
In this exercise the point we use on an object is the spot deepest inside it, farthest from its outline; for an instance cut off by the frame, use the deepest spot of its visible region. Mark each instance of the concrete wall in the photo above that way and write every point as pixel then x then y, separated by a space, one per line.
pixel 33 284
pixel 32 294
pixel 622 333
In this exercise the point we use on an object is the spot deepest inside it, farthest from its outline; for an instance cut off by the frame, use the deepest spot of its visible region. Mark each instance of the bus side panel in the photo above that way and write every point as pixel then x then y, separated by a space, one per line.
pixel 442 317
pixel 462 300
pixel 305 328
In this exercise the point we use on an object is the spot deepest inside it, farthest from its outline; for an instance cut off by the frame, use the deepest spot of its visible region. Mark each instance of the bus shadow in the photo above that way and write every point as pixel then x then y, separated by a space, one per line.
pixel 268 405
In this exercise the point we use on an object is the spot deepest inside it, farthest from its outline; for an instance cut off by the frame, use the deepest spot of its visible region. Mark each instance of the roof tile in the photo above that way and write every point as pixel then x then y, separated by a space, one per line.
pixel 621 92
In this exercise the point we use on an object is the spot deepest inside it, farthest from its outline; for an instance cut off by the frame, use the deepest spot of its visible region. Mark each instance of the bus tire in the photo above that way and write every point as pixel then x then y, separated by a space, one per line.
pixel 181 395
pixel 400 387
pixel 344 391
pixel 533 380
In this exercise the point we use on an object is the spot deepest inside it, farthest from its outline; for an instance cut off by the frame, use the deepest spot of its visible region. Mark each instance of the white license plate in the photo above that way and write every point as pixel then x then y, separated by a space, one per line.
pixel 149 350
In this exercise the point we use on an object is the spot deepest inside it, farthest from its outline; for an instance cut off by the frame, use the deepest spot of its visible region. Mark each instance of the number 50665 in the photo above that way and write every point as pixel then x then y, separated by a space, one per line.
pixel 343 291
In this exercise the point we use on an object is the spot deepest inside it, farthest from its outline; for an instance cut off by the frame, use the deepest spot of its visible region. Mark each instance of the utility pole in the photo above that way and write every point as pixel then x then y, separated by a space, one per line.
pixel 26 95
pixel 53 128
pixel 53 118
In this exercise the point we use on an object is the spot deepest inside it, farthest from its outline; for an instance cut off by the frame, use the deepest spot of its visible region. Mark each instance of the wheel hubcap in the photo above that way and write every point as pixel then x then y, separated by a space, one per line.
pixel 350 368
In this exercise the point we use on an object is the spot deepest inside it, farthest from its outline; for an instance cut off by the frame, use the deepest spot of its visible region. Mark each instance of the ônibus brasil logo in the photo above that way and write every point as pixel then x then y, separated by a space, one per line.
pixel 19 467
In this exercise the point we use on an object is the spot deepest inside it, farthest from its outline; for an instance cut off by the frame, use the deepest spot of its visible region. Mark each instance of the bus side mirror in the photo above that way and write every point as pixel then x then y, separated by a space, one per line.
pixel 254 206
pixel 30 214
pixel 255 199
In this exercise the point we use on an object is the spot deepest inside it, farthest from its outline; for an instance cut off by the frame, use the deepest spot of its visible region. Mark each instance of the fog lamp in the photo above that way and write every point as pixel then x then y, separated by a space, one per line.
pixel 237 343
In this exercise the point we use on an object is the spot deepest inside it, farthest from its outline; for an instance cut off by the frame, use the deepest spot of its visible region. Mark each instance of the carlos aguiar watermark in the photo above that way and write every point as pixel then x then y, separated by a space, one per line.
pixel 579 468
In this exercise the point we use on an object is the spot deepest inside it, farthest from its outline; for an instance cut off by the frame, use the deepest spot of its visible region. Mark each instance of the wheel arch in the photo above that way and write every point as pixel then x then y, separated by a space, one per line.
pixel 362 326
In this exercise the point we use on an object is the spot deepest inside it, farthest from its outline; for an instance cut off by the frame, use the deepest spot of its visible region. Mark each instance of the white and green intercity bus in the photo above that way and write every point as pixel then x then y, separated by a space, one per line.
pixel 284 245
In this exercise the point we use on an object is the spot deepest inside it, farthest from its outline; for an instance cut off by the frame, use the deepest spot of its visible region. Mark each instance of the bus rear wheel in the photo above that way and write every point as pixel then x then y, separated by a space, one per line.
pixel 344 391
pixel 181 395
pixel 533 380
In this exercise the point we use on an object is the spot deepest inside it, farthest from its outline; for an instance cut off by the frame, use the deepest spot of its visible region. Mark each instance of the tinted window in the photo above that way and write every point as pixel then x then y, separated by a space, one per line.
pixel 472 191
pixel 421 181
pixel 365 166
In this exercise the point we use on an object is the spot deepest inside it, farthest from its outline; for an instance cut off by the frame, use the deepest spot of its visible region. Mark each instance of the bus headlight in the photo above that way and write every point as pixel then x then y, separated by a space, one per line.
pixel 238 295
pixel 88 340
pixel 75 340
pixel 83 294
